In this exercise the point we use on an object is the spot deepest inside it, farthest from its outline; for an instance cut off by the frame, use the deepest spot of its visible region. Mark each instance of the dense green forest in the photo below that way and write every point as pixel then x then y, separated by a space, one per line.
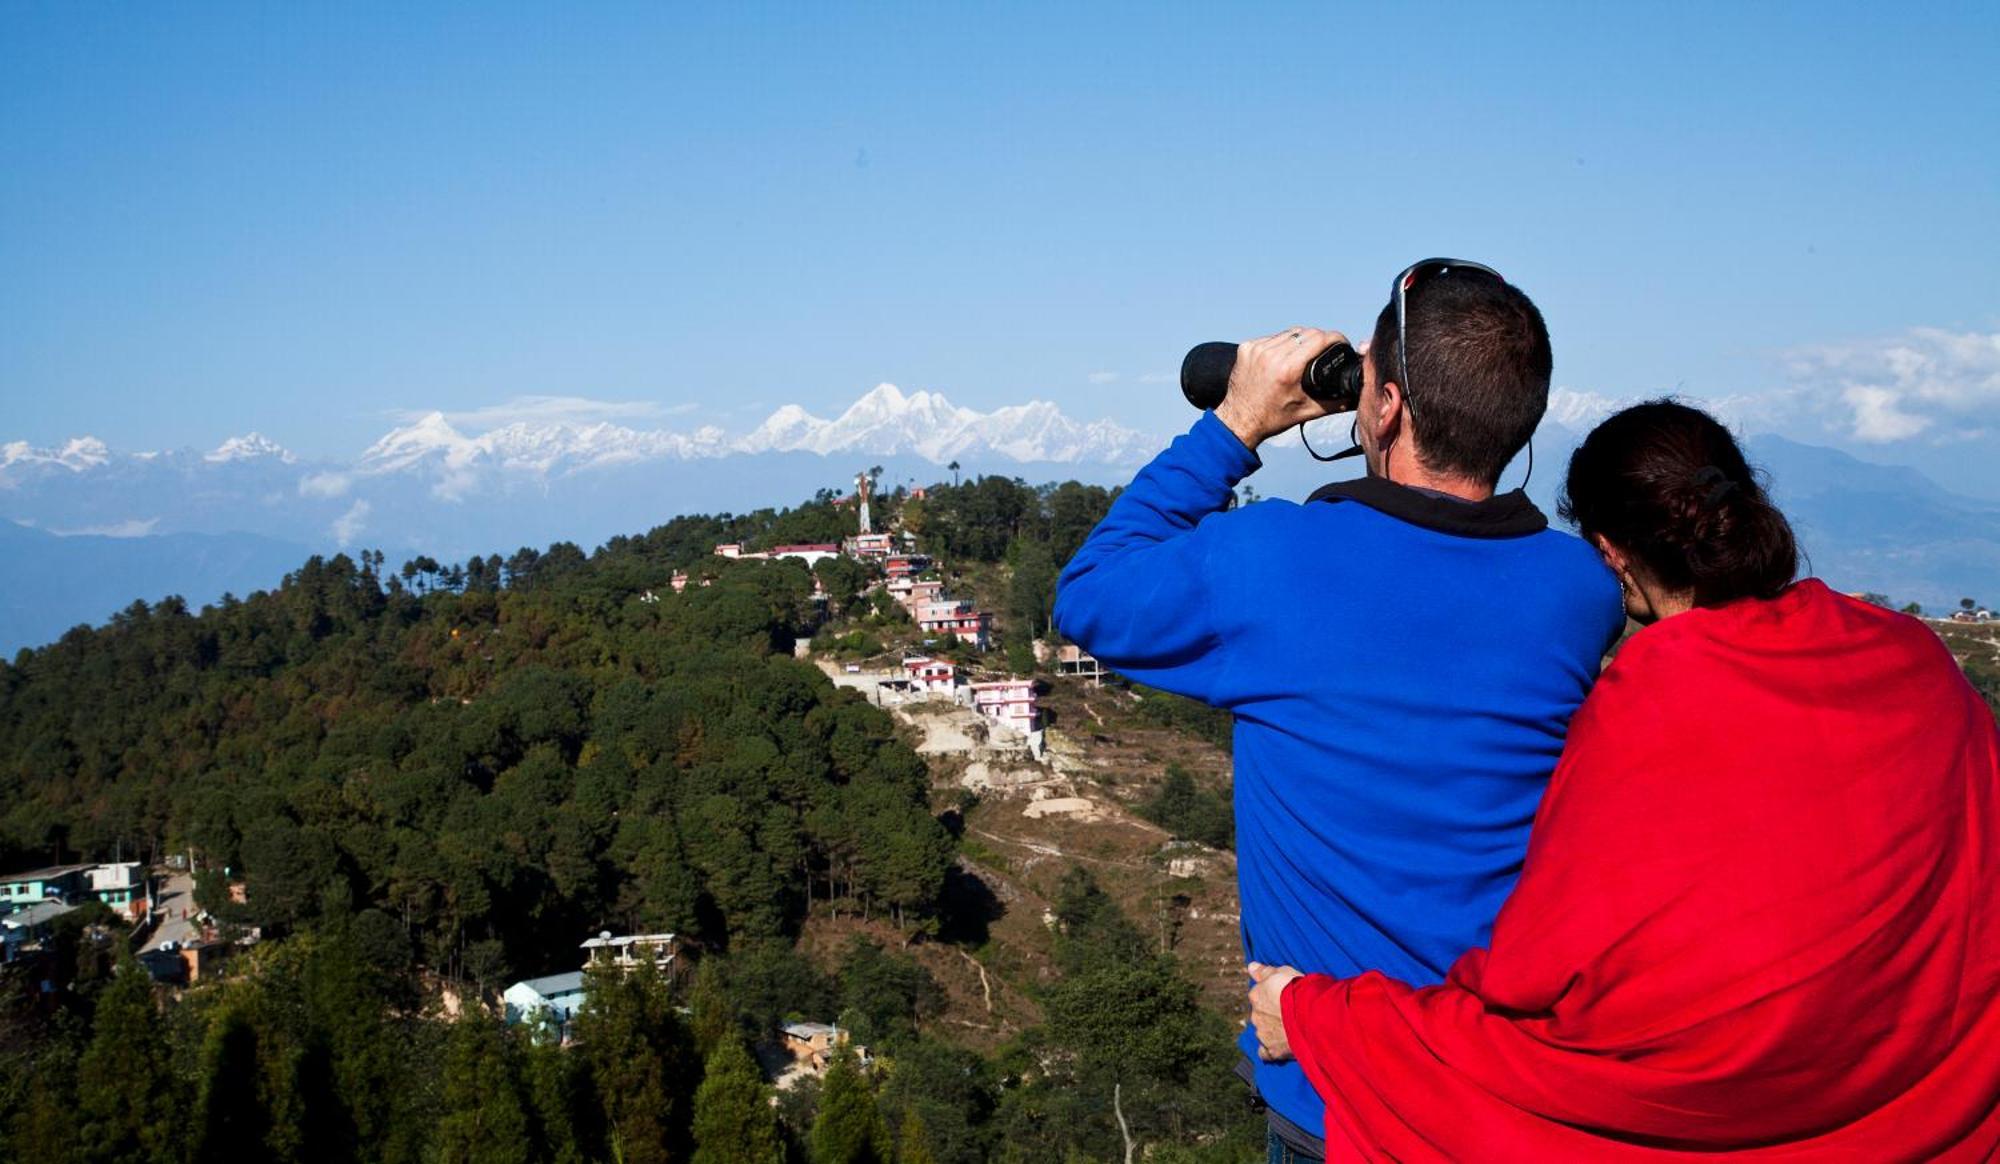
pixel 432 779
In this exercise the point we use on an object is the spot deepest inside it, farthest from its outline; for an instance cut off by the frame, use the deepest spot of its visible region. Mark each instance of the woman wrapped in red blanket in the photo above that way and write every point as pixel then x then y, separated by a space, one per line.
pixel 1758 911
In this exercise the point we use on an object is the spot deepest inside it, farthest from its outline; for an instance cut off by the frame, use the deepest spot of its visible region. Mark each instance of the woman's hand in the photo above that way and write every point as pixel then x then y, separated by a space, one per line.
pixel 1266 1014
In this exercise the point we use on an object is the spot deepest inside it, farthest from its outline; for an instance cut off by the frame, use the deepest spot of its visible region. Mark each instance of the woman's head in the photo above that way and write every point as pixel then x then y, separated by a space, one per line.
pixel 1663 490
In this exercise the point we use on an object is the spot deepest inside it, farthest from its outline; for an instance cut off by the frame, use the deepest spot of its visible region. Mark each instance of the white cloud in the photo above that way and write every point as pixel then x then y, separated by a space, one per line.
pixel 1925 380
pixel 1155 378
pixel 1103 377
pixel 349 526
pixel 130 528
pixel 1879 416
pixel 324 484
pixel 455 484
pixel 545 410
pixel 1580 411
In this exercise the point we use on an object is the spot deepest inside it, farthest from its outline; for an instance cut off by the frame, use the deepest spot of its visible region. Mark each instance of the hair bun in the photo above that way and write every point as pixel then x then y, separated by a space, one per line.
pixel 1718 484
pixel 1667 484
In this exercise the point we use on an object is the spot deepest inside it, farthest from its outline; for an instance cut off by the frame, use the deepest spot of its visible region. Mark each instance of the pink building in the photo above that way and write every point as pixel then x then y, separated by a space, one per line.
pixel 916 594
pixel 905 565
pixel 955 617
pixel 1011 702
pixel 871 545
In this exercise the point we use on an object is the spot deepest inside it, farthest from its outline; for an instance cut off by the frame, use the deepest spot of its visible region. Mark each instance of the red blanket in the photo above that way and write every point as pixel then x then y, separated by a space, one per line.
pixel 1758 914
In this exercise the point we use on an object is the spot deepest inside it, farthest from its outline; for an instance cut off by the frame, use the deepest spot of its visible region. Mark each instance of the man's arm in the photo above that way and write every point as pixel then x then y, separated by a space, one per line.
pixel 1145 592
pixel 1149 591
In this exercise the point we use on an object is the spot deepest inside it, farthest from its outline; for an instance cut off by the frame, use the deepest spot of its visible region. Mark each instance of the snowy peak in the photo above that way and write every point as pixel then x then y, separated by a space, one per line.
pixel 432 444
pixel 77 454
pixel 887 422
pixel 429 439
pixel 885 399
pixel 790 427
pixel 1579 411
pixel 248 447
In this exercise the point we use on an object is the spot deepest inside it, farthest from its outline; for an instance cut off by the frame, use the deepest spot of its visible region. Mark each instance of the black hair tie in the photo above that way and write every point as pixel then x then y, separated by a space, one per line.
pixel 1718 483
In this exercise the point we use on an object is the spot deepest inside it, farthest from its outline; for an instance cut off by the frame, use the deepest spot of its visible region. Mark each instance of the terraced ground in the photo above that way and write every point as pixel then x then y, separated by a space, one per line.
pixel 1028 822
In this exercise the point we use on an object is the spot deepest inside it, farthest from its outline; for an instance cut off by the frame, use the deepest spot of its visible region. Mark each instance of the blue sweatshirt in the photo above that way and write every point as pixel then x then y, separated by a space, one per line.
pixel 1402 668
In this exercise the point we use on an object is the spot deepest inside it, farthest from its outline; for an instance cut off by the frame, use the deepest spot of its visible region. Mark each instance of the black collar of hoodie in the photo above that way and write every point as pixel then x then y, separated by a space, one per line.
pixel 1504 515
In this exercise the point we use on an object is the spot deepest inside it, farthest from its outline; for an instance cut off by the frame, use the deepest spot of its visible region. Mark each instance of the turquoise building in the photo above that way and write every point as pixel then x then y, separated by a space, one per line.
pixel 65 882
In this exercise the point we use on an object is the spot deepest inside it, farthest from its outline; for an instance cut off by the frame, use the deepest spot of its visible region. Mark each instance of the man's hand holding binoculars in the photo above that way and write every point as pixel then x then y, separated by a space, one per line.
pixel 1266 390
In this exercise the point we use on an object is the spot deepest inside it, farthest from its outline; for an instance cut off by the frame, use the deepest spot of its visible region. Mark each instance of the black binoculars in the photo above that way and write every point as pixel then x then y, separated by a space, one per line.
pixel 1333 378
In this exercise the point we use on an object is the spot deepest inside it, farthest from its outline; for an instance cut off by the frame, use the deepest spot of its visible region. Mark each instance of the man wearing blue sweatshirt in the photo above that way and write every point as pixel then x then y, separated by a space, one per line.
pixel 1402 652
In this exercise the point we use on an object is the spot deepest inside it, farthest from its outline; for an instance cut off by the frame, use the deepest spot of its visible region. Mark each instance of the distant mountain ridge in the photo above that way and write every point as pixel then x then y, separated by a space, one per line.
pixel 49 584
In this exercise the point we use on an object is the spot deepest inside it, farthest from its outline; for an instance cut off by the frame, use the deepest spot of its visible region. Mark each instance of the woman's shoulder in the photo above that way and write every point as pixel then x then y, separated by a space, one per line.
pixel 1805 637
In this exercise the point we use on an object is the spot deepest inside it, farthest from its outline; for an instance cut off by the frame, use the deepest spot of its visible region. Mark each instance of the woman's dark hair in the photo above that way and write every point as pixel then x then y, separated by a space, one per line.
pixel 1667 484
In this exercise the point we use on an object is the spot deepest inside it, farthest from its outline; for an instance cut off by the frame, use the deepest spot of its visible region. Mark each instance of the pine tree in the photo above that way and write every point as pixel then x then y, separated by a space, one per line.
pixel 485 1116
pixel 126 1096
pixel 849 1129
pixel 734 1122
pixel 233 1124
pixel 639 1055
pixel 914 1146
pixel 711 1015
pixel 42 1123
pixel 569 1121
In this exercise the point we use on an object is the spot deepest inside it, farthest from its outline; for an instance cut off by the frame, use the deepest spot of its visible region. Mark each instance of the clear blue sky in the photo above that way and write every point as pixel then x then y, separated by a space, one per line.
pixel 303 218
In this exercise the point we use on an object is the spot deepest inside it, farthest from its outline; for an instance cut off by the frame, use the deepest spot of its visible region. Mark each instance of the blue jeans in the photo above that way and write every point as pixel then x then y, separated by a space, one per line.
pixel 1280 1152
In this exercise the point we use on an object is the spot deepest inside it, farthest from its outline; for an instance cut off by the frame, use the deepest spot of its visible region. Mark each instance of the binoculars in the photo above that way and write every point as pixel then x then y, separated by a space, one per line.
pixel 1333 377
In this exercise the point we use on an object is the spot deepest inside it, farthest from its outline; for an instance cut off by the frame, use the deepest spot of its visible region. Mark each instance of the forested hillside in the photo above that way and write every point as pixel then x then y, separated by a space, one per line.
pixel 430 779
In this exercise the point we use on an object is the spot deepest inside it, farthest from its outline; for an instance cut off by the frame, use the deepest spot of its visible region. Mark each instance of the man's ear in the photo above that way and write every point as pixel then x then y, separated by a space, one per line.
pixel 1388 411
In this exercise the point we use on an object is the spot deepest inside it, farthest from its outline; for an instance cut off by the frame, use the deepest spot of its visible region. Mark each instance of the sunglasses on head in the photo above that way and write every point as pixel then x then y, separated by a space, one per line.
pixel 1412 275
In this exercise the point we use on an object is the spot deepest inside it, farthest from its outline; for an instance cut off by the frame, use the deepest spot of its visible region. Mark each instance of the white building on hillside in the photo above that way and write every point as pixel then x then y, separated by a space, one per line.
pixel 1013 704
pixel 931 677
pixel 558 995
pixel 118 885
pixel 627 951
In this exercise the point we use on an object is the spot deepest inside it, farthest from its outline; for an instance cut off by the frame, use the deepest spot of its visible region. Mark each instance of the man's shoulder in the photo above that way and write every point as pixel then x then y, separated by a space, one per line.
pixel 1568 551
pixel 1264 516
pixel 1579 587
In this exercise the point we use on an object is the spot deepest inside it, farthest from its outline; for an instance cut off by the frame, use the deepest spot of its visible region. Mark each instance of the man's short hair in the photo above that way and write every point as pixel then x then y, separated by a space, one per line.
pixel 1479 357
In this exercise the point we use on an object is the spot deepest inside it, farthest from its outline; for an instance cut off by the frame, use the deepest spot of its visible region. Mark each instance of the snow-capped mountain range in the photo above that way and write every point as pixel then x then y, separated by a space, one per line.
pixel 451 485
pixel 886 422
pixel 76 455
